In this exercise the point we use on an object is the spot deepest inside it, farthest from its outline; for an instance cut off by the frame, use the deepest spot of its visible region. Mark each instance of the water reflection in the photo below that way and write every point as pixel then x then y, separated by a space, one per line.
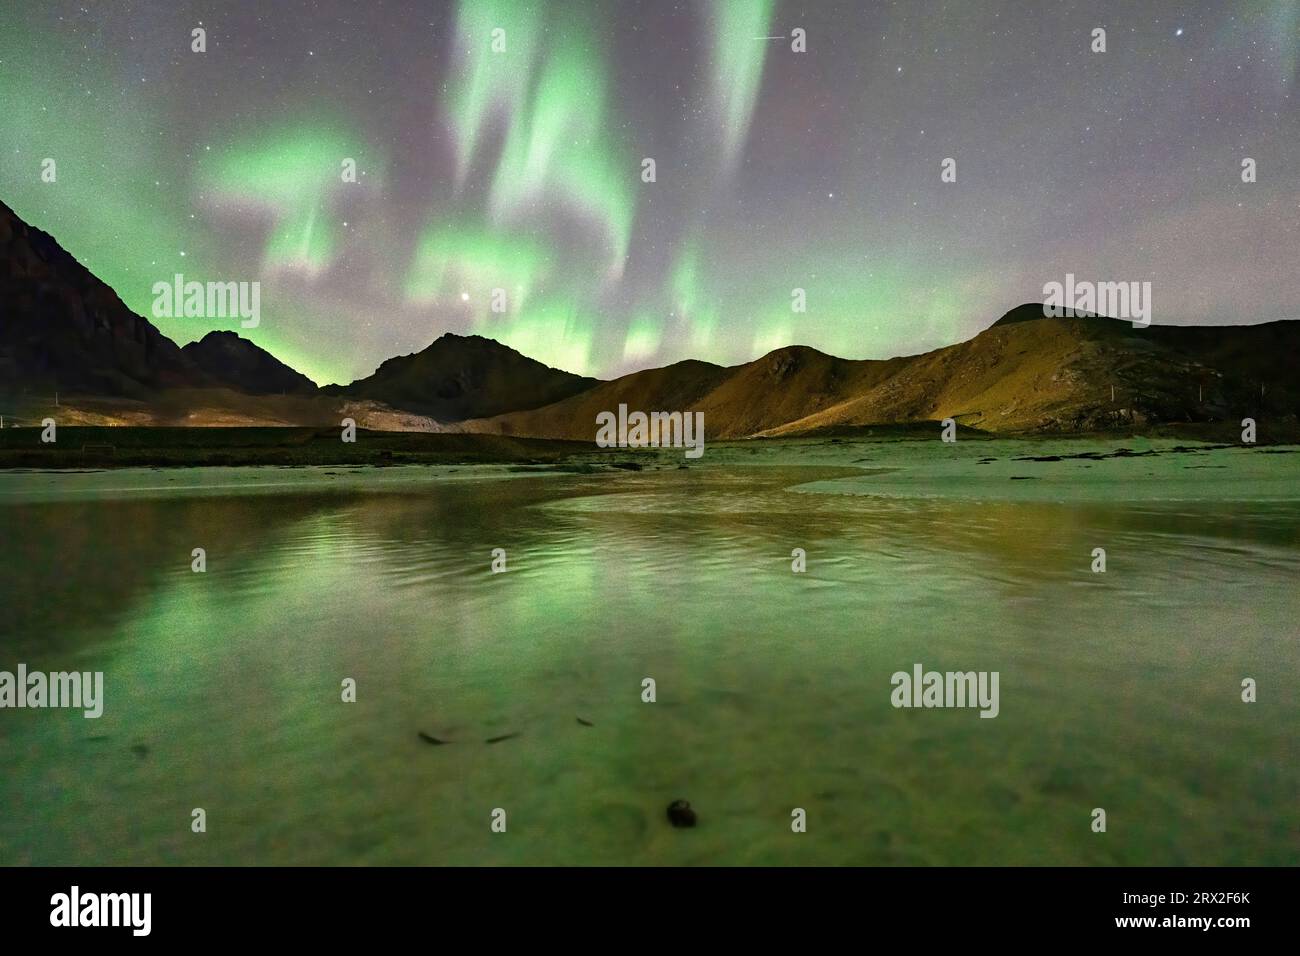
pixel 1119 690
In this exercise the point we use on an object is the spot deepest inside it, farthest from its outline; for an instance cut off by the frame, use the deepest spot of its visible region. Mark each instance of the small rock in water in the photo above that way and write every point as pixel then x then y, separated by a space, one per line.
pixel 680 814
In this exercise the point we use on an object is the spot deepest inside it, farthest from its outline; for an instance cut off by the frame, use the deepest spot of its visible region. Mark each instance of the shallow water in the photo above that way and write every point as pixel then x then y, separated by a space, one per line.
pixel 1118 690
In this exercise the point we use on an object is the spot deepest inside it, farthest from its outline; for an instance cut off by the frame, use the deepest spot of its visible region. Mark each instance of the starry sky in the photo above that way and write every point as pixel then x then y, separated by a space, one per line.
pixel 522 169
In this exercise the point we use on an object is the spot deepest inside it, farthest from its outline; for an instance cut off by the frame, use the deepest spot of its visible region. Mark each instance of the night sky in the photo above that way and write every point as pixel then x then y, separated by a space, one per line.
pixel 776 170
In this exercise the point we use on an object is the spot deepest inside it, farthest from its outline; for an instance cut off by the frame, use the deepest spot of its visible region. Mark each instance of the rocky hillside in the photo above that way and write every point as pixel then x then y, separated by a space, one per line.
pixel 1025 373
pixel 239 364
pixel 464 376
pixel 63 329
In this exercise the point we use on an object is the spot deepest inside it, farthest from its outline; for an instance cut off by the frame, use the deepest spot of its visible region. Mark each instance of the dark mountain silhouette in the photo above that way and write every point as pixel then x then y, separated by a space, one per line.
pixel 239 364
pixel 63 329
pixel 464 376
pixel 1025 373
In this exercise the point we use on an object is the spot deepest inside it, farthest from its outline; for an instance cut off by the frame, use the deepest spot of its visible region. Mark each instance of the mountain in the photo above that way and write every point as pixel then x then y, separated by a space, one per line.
pixel 680 386
pixel 239 364
pixel 464 376
pixel 61 328
pixel 1025 373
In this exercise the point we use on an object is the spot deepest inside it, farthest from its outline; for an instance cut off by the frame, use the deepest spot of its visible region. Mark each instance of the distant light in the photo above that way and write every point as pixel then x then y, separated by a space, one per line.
pixel 464 297
pixel 1178 32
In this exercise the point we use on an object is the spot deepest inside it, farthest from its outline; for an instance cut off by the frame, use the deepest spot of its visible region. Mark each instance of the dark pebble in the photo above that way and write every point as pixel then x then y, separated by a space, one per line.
pixel 680 814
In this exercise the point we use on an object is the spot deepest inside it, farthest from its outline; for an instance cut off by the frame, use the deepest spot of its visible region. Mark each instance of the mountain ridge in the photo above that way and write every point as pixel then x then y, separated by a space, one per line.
pixel 233 359
pixel 457 377
pixel 1026 372
pixel 65 330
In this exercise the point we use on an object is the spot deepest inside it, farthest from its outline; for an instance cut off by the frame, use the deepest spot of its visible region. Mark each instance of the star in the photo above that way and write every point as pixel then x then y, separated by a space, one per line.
pixel 529 193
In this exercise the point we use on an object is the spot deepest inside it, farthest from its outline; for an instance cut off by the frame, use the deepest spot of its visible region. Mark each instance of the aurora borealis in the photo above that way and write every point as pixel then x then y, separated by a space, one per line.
pixel 514 160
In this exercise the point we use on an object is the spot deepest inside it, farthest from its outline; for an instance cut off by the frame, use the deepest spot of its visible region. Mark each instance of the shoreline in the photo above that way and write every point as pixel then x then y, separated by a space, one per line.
pixel 80 447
